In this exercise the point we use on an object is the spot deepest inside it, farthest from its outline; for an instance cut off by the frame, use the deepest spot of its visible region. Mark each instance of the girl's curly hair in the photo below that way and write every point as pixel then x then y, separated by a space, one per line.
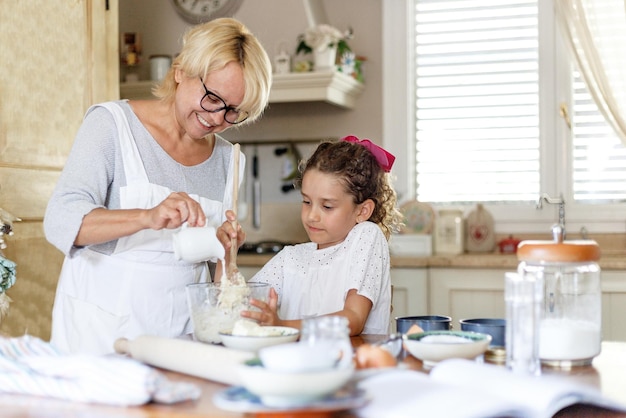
pixel 362 177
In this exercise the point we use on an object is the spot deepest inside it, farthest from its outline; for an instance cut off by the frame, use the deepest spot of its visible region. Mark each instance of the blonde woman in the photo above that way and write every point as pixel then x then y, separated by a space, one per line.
pixel 138 171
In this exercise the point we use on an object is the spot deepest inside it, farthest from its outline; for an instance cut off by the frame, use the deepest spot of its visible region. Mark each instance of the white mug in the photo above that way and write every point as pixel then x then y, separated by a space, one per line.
pixel 197 244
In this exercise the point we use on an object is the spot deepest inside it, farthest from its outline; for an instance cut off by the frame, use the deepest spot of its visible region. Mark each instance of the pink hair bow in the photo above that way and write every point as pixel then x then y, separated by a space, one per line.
pixel 385 159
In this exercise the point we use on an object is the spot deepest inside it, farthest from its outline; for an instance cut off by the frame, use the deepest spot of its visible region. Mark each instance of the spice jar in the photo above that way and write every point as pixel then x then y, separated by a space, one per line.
pixel 571 316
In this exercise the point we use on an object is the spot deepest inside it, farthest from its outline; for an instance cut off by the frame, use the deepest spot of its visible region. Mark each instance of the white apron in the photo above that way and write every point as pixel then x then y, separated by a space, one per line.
pixel 140 288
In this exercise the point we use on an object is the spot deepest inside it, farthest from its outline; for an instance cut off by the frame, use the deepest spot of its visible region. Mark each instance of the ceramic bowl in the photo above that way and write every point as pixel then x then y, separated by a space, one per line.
pixel 289 389
pixel 496 327
pixel 275 336
pixel 425 322
pixel 434 346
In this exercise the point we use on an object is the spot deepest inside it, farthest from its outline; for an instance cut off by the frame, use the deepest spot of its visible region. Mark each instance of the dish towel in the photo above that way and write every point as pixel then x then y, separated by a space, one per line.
pixel 30 366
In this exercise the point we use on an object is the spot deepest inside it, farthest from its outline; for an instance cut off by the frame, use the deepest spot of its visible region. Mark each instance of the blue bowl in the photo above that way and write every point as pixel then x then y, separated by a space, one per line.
pixel 493 326
pixel 425 322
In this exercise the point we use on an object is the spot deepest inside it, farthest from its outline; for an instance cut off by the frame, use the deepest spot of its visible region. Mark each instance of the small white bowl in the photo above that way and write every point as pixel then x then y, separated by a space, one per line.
pixel 281 335
pixel 434 346
pixel 288 389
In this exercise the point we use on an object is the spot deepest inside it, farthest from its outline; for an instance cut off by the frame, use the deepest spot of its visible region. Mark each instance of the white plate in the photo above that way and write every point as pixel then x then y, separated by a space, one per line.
pixel 291 389
pixel 239 399
pixel 255 343
pixel 419 217
pixel 434 346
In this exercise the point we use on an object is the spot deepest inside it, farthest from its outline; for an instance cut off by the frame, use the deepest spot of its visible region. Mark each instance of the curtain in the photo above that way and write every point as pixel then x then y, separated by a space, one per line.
pixel 596 34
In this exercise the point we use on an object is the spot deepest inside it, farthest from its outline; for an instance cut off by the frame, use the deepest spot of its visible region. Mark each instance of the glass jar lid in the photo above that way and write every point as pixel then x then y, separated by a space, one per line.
pixel 565 251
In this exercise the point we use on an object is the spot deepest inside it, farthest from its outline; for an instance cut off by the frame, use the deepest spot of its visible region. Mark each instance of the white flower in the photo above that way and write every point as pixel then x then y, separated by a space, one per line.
pixel 322 37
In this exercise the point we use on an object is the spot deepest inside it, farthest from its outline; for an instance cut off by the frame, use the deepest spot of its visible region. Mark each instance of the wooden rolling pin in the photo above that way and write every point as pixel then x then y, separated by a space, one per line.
pixel 185 356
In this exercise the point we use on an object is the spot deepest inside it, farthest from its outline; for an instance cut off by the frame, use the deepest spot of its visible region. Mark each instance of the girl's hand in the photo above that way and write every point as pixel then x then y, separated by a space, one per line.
pixel 269 310
pixel 226 232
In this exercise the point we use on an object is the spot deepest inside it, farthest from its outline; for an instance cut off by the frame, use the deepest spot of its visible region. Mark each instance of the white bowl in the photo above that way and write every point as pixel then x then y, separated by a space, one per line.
pixel 434 346
pixel 288 389
pixel 280 335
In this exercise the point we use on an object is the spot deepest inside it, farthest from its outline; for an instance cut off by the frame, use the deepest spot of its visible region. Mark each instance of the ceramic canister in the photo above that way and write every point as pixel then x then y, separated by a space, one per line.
pixel 159 66
pixel 449 232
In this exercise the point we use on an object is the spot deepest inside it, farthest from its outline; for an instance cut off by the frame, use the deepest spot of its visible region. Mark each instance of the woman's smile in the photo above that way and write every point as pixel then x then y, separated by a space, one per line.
pixel 204 122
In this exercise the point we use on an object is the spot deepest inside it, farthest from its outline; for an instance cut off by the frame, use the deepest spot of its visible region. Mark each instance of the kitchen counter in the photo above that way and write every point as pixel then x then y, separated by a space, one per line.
pixel 611 260
pixel 608 372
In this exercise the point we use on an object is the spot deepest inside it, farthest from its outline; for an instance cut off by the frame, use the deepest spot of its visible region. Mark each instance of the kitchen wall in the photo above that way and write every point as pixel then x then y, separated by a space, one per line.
pixel 277 22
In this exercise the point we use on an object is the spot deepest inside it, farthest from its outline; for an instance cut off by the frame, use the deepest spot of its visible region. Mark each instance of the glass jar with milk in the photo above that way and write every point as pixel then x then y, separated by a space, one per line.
pixel 571 316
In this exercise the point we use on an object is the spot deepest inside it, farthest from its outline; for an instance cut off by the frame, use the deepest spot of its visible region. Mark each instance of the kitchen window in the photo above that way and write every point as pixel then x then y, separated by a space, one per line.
pixel 495 92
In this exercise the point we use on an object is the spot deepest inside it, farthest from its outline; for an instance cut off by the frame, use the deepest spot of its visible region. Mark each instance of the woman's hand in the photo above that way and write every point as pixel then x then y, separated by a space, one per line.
pixel 103 225
pixel 176 209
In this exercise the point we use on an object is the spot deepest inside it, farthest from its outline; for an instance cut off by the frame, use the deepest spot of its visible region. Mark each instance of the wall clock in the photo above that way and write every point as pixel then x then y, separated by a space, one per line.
pixel 199 11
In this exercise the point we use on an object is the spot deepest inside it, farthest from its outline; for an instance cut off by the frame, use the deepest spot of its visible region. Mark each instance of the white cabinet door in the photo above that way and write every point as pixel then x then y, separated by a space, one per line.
pixel 410 293
pixel 466 293
pixel 613 305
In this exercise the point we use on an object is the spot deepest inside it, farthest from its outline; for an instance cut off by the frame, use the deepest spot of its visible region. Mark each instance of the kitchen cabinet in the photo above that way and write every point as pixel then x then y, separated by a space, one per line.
pixel 479 293
pixel 466 293
pixel 335 88
pixel 409 293
pixel 613 284
pixel 61 56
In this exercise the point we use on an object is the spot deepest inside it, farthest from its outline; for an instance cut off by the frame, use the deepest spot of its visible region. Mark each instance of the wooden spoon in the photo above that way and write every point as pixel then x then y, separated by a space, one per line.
pixel 232 270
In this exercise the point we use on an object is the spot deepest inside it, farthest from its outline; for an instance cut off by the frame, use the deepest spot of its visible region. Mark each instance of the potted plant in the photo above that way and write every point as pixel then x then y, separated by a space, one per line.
pixel 326 44
pixel 7 267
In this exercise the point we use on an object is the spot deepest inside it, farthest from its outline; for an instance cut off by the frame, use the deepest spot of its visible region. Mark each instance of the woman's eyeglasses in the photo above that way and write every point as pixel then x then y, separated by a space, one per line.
pixel 213 103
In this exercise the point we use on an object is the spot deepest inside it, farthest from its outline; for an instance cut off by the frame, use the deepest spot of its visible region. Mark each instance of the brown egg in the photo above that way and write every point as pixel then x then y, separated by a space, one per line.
pixel 414 329
pixel 371 356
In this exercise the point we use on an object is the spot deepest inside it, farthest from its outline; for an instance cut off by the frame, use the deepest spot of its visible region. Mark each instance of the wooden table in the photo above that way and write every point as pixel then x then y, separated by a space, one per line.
pixel 608 372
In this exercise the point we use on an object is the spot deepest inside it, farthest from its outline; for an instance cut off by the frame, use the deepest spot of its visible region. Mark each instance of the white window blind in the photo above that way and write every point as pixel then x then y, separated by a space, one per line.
pixel 477 101
pixel 599 157
pixel 477 111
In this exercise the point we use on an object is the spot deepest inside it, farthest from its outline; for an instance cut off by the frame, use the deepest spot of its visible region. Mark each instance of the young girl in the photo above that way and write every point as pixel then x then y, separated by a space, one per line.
pixel 348 211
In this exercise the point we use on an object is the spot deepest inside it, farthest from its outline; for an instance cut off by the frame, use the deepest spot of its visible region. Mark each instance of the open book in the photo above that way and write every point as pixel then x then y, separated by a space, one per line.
pixel 459 388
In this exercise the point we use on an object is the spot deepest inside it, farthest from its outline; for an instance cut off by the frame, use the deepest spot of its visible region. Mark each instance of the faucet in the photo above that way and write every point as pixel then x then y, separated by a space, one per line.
pixel 554 201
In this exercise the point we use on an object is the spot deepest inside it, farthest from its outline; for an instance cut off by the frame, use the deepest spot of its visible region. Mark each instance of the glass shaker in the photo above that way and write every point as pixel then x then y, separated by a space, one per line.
pixel 329 333
pixel 571 316
pixel 523 295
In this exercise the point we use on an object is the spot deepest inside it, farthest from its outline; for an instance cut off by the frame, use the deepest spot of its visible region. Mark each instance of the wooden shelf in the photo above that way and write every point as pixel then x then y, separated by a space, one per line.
pixel 330 87
pixel 138 90
pixel 335 88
